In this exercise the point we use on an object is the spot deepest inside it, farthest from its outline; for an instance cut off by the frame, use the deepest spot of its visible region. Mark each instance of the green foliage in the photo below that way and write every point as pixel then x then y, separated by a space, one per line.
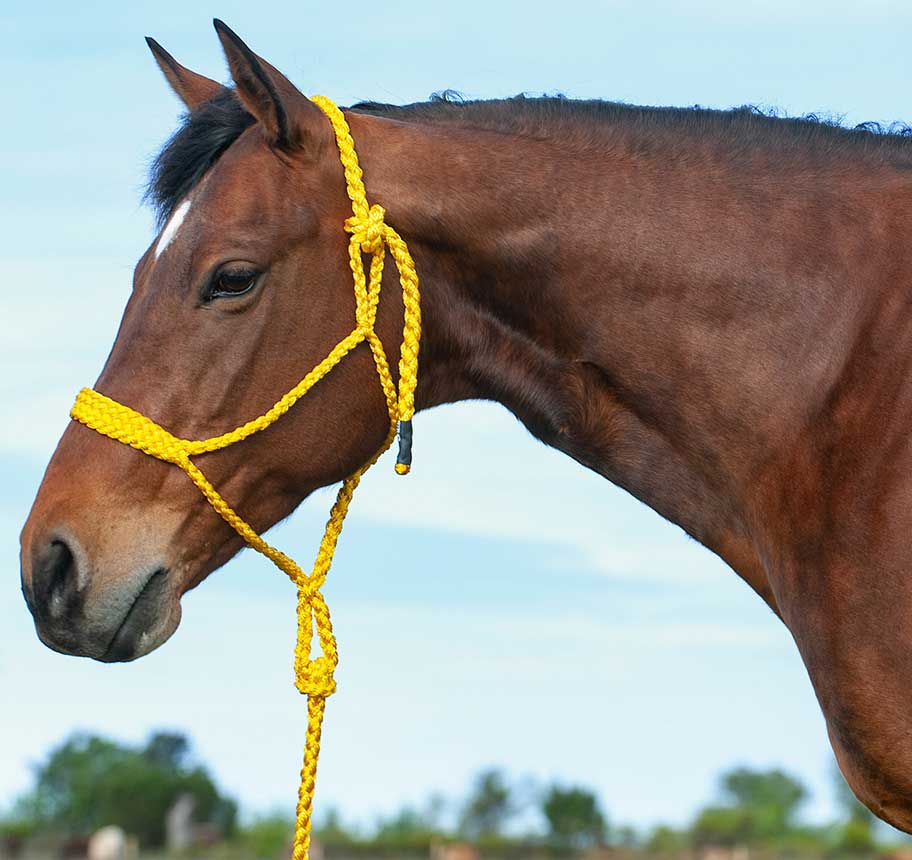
pixel 772 797
pixel 574 818
pixel 489 806
pixel 331 831
pixel 168 749
pixel 267 837
pixel 406 827
pixel 724 825
pixel 89 782
pixel 856 837
pixel 759 806
pixel 14 828
pixel 666 840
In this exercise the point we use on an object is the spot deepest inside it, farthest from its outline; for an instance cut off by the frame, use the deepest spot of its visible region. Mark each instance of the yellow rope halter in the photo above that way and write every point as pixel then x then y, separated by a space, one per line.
pixel 370 235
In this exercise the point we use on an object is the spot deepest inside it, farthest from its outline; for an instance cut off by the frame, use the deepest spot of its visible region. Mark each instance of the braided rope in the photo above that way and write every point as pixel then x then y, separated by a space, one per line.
pixel 370 234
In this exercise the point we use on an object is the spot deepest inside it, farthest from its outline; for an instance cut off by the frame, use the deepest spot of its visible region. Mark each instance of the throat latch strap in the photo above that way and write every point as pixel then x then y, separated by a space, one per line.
pixel 370 234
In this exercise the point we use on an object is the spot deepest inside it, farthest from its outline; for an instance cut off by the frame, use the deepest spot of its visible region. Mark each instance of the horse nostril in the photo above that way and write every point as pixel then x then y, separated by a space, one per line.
pixel 55 586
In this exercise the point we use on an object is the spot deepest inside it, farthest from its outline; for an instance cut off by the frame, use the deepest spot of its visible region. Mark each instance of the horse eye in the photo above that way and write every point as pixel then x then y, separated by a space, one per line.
pixel 232 282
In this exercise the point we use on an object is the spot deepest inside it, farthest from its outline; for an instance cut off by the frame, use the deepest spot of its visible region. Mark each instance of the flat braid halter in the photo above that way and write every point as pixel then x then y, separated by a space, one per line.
pixel 370 234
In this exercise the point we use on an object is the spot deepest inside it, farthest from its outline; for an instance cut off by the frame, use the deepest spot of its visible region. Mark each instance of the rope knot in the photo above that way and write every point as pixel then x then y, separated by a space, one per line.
pixel 368 231
pixel 315 677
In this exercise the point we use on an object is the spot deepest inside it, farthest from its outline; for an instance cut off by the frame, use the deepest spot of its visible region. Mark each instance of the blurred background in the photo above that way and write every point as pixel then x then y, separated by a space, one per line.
pixel 583 678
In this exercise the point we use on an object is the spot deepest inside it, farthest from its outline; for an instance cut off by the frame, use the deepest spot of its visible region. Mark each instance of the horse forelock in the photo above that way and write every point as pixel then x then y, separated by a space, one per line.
pixel 201 139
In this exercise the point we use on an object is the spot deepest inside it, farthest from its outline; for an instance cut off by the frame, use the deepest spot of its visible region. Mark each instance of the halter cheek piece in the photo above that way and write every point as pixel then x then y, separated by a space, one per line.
pixel 370 234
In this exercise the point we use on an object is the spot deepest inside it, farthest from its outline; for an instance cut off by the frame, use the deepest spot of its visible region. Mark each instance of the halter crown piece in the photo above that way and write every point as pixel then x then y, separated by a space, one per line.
pixel 370 234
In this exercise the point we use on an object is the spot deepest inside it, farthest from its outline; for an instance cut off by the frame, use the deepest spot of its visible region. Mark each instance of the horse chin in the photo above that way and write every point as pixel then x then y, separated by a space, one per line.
pixel 119 630
pixel 149 623
pixel 884 793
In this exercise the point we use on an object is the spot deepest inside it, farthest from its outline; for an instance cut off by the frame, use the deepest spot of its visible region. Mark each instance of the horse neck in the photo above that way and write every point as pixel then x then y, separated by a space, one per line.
pixel 639 308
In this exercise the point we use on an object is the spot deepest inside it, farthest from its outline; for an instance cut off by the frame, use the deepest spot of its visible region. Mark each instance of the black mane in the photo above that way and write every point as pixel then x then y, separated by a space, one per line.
pixel 743 127
pixel 208 131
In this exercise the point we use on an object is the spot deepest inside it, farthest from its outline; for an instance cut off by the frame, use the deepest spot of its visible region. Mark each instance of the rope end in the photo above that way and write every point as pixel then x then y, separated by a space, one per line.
pixel 404 460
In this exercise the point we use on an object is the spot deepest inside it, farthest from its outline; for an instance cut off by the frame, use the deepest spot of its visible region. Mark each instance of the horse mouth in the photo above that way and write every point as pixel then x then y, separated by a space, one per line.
pixel 132 637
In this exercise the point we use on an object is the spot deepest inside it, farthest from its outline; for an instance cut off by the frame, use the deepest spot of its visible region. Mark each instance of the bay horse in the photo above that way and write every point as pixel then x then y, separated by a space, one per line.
pixel 711 309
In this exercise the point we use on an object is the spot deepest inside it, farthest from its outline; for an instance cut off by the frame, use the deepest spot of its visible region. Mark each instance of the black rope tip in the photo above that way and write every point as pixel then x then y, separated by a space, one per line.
pixel 404 459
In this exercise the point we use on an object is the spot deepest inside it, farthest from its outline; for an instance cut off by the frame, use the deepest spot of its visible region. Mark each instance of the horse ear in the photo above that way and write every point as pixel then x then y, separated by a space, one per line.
pixel 192 89
pixel 279 106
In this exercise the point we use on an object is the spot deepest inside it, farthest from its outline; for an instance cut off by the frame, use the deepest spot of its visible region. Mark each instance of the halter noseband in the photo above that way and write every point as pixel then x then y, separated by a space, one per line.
pixel 370 234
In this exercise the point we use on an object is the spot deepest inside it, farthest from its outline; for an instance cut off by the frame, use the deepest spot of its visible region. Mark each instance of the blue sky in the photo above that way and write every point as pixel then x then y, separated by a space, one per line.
pixel 523 593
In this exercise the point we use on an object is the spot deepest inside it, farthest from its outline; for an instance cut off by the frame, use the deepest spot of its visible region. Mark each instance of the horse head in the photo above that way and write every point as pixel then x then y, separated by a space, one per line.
pixel 246 286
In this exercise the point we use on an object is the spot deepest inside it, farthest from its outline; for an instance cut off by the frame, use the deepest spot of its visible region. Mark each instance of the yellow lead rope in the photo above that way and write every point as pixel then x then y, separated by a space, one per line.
pixel 314 676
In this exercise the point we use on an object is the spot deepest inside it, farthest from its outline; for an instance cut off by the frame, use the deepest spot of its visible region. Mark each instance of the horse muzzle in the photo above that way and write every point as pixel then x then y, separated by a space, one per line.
pixel 79 611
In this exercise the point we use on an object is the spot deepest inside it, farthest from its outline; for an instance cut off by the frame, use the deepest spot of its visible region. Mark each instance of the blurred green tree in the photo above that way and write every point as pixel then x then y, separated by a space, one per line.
pixel 773 797
pixel 89 782
pixel 489 806
pixel 406 827
pixel 724 825
pixel 757 806
pixel 267 837
pixel 169 749
pixel 574 818
pixel 665 840
pixel 331 830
